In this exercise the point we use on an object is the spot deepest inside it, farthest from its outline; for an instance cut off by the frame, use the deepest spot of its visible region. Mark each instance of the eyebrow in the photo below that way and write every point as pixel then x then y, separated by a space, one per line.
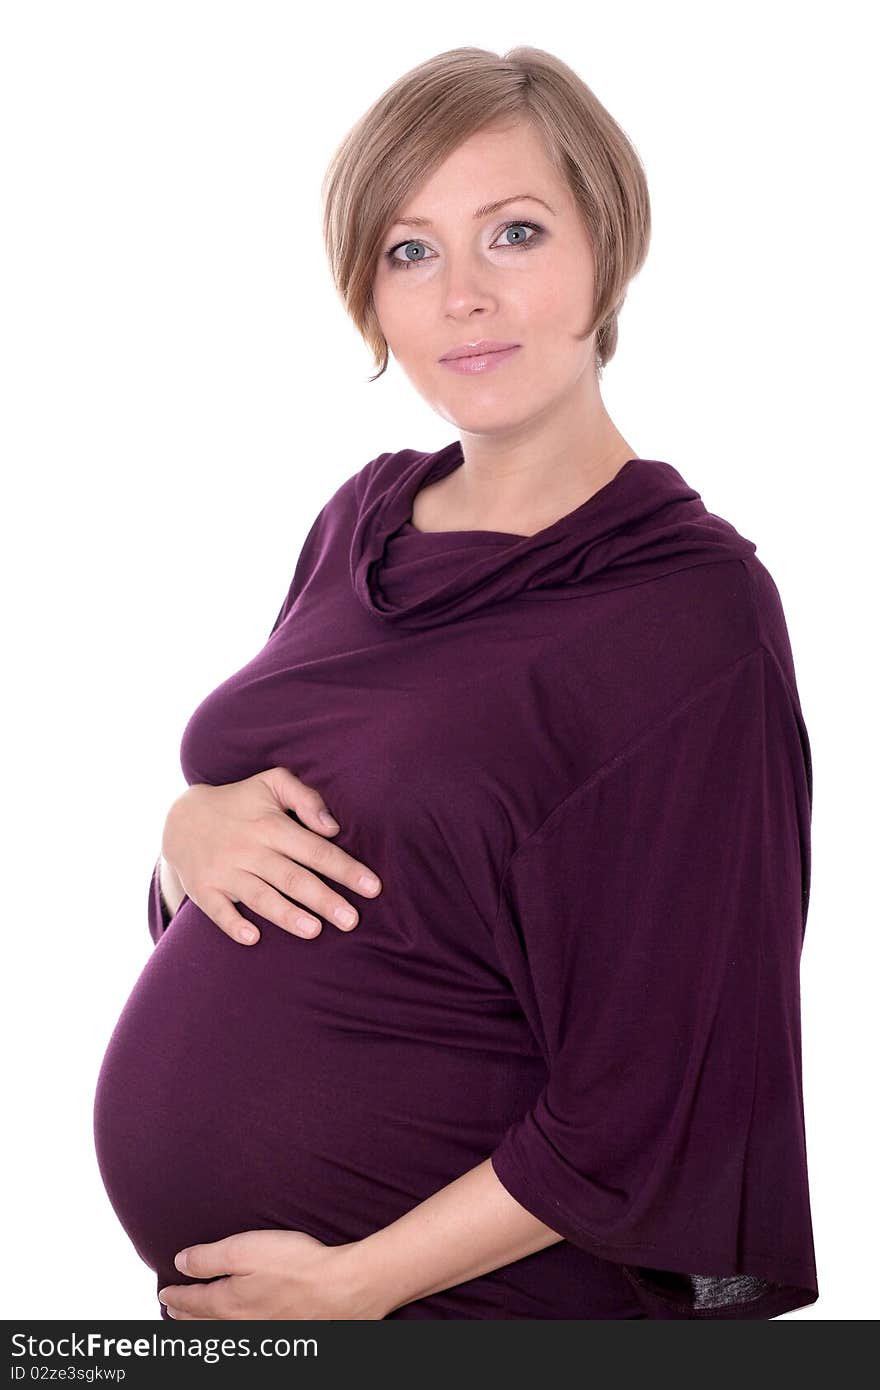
pixel 483 211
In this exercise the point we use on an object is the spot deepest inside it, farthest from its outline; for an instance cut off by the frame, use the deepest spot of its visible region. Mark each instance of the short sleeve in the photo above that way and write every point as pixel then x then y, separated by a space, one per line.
pixel 652 928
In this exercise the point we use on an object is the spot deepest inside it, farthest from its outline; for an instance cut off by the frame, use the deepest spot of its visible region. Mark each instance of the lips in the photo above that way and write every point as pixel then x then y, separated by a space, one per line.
pixel 478 349
pixel 479 363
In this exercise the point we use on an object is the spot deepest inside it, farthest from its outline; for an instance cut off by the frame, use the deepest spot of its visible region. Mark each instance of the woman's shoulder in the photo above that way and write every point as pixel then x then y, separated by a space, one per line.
pixel 720 611
pixel 771 627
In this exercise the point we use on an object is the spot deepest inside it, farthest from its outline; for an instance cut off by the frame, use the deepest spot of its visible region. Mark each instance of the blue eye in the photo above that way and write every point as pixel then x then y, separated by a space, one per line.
pixel 524 243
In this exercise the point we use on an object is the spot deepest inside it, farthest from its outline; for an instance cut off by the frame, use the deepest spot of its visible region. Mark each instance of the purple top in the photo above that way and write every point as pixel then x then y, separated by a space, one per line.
pixel 577 760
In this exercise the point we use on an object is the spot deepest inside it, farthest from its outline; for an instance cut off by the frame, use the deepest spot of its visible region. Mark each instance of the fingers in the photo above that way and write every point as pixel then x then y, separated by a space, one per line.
pixel 307 802
pixel 229 1255
pixel 328 859
pixel 195 1301
pixel 267 902
pixel 309 894
pixel 223 914
pixel 298 844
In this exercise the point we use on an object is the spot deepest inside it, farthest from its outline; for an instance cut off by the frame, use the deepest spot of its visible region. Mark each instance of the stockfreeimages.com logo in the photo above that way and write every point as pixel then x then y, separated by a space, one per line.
pixel 94 1345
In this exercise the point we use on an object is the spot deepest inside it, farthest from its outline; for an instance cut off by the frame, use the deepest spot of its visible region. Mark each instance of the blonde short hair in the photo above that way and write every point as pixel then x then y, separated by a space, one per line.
pixel 417 123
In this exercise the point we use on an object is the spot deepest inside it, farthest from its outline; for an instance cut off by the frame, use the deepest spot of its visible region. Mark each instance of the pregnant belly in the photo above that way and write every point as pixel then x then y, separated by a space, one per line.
pixel 325 1086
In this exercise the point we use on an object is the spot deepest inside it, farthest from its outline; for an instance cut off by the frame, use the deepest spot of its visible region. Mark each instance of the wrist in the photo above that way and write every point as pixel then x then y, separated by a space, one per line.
pixel 358 1278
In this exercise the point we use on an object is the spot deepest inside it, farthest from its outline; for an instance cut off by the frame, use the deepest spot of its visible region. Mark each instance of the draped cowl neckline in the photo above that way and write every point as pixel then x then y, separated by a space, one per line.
pixel 646 521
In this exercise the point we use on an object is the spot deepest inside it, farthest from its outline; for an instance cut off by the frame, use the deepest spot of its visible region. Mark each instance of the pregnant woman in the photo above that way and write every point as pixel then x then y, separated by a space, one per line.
pixel 554 1071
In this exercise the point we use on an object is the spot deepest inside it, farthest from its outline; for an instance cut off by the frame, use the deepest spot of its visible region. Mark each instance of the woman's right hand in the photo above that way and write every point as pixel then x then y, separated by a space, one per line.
pixel 236 843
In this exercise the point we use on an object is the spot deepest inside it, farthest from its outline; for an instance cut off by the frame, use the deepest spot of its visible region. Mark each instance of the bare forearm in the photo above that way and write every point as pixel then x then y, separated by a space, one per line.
pixel 170 886
pixel 466 1229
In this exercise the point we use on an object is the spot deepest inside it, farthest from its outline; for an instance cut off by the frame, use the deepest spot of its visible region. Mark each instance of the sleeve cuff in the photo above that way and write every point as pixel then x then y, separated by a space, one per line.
pixel 728 1286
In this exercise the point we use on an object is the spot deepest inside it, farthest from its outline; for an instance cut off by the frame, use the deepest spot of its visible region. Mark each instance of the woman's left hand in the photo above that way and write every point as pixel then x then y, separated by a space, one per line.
pixel 268 1275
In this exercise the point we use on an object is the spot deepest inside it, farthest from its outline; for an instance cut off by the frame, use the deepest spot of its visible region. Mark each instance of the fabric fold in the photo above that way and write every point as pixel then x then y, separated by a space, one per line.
pixel 644 523
pixel 652 928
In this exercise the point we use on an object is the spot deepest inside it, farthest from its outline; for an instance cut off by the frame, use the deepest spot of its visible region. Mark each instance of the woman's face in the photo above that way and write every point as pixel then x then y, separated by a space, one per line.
pixel 457 278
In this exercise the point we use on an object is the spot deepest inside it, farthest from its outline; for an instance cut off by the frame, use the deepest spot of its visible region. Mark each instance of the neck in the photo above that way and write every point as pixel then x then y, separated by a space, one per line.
pixel 524 479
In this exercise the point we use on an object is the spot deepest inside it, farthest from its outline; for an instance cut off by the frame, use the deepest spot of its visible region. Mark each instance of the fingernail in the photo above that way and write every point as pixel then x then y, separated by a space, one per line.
pixel 180 1261
pixel 345 916
pixel 369 883
pixel 328 820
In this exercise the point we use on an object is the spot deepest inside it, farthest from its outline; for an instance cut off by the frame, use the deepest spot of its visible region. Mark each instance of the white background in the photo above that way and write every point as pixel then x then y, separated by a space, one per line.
pixel 182 392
